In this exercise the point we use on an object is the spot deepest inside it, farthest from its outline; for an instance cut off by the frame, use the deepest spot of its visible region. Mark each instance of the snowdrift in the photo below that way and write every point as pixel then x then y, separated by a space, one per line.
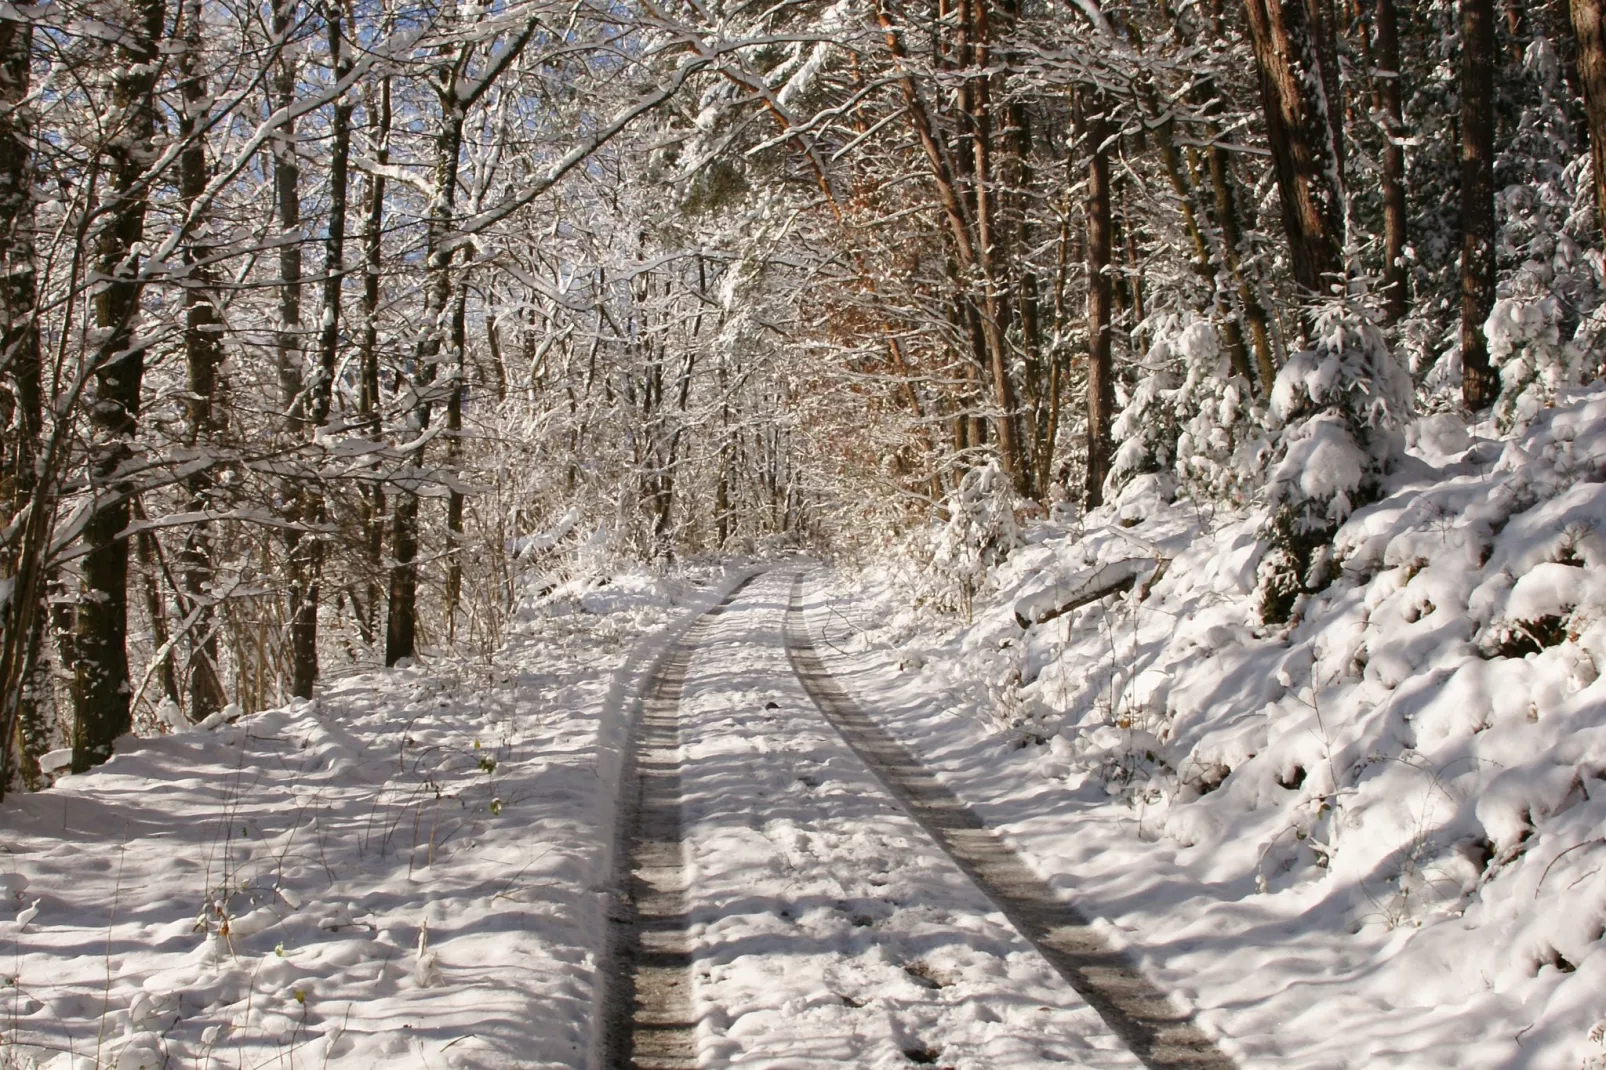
pixel 1372 836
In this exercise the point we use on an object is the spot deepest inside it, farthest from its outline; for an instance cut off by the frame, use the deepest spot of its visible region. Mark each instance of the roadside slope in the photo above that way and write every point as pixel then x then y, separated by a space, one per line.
pixel 1368 838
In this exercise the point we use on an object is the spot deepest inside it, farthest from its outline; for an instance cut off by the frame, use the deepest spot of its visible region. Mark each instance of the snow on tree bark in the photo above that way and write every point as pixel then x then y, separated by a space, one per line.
pixel 101 684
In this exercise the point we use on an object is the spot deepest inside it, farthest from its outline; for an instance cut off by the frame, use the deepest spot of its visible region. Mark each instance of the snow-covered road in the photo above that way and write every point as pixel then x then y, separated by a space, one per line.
pixel 823 925
pixel 413 871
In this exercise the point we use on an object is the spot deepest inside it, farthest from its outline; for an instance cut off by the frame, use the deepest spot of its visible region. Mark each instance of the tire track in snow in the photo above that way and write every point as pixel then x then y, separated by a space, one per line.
pixel 828 929
pixel 650 1020
pixel 1161 1036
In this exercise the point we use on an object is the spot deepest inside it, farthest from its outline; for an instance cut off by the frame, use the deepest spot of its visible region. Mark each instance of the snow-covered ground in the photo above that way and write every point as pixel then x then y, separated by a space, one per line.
pixel 829 930
pixel 409 871
pixel 414 870
pixel 1373 837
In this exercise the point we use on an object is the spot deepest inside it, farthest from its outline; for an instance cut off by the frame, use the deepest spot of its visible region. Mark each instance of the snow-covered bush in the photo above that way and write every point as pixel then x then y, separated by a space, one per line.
pixel 1541 332
pixel 1341 407
pixel 1145 432
pixel 1221 447
pixel 1545 327
pixel 978 534
pixel 1526 345
pixel 1189 418
pixel 1540 329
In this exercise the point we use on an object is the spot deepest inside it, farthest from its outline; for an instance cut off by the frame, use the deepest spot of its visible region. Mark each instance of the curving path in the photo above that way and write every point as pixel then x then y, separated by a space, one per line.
pixel 1163 1037
pixel 802 893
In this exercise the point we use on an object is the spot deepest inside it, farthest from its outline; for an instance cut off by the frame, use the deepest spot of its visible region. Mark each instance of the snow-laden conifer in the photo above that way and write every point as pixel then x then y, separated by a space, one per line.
pixel 1190 423
pixel 978 534
pixel 1541 328
pixel 1339 408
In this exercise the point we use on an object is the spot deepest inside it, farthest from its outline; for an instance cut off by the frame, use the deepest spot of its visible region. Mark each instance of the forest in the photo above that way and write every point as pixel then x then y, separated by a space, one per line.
pixel 647 534
pixel 323 318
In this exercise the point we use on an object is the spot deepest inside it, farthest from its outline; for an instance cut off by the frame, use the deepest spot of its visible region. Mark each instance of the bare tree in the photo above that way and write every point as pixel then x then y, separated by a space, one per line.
pixel 1589 23
pixel 21 408
pixel 100 685
pixel 1302 107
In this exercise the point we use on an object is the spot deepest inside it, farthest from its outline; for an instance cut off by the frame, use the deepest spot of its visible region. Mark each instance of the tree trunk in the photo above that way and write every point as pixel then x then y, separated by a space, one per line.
pixel 287 200
pixel 995 287
pixel 722 499
pixel 156 611
pixel 1164 129
pixel 1304 132
pixel 958 219
pixel 1517 30
pixel 1100 298
pixel 1396 282
pixel 1229 231
pixel 1322 21
pixel 454 455
pixel 100 688
pixel 312 511
pixel 1132 276
pixel 341 60
pixel 1479 382
pixel 401 622
pixel 1225 199
pixel 402 619
pixel 1589 23
pixel 203 356
pixel 493 342
pixel 25 736
pixel 293 399
pixel 373 502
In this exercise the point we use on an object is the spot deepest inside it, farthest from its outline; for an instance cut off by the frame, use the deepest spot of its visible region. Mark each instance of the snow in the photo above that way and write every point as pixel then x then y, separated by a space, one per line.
pixel 1044 601
pixel 1369 837
pixel 414 870
pixel 542 541
pixel 55 760
pixel 828 928
pixel 409 871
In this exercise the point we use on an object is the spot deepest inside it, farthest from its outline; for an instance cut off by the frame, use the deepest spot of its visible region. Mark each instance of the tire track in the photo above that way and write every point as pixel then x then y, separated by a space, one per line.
pixel 1137 1011
pixel 650 1021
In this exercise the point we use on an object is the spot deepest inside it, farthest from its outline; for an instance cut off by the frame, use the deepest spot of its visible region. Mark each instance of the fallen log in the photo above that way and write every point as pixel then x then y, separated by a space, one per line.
pixel 1085 587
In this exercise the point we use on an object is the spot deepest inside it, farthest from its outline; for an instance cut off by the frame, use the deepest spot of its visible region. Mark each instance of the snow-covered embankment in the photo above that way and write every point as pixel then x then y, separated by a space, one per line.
pixel 1373 837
